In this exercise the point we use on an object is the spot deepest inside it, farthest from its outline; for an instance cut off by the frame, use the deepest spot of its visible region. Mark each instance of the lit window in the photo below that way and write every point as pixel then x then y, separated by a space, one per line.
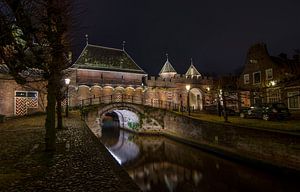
pixel 246 79
pixel 294 100
pixel 273 95
pixel 256 78
pixel 269 74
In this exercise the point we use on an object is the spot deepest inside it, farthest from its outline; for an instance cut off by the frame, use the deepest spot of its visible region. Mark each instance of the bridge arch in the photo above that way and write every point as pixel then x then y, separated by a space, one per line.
pixel 130 116
pixel 196 98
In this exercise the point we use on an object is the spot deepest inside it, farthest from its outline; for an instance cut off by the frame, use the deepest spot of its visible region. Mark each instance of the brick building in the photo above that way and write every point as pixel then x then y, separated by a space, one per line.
pixel 111 74
pixel 17 100
pixel 267 79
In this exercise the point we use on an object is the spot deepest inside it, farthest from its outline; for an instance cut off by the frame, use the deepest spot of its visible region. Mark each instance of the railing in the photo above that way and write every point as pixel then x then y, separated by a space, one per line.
pixel 133 100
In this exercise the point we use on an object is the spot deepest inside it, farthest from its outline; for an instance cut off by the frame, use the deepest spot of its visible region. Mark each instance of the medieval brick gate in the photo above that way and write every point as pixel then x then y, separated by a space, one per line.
pixel 25 100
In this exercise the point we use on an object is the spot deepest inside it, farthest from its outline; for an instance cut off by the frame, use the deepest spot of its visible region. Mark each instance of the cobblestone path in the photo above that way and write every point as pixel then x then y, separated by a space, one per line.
pixel 81 162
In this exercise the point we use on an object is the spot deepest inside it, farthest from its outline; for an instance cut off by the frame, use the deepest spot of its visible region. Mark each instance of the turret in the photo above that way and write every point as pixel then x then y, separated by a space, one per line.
pixel 192 71
pixel 167 70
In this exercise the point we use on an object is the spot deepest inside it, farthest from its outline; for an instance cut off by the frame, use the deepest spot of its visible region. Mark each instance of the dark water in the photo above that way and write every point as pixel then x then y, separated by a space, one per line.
pixel 160 164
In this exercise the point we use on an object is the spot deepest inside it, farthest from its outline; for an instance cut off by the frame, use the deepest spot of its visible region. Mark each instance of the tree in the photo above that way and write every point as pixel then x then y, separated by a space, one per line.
pixel 34 39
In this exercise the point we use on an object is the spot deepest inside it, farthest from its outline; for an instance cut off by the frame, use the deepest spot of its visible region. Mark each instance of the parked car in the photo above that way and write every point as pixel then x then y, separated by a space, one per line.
pixel 267 111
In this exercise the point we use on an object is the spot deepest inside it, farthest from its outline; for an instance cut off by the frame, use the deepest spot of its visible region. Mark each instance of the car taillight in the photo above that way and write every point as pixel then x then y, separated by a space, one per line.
pixel 274 111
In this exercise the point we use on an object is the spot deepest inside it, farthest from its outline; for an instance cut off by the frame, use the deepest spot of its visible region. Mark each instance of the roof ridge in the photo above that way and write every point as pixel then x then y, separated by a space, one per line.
pixel 99 46
pixel 99 57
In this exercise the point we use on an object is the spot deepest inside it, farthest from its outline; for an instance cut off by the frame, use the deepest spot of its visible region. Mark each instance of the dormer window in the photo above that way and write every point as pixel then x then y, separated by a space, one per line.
pixel 253 61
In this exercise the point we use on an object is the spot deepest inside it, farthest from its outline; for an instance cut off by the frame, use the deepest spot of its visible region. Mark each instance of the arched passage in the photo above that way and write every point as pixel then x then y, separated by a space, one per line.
pixel 196 99
pixel 120 116
pixel 126 119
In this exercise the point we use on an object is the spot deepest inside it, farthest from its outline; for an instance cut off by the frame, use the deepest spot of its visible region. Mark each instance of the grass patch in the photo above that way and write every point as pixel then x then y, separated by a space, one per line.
pixel 284 125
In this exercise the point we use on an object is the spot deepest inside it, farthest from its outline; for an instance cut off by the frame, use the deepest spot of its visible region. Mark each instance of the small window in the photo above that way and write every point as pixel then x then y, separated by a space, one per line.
pixel 256 77
pixel 246 79
pixel 32 94
pixel 20 93
pixel 294 100
pixel 269 74
pixel 273 95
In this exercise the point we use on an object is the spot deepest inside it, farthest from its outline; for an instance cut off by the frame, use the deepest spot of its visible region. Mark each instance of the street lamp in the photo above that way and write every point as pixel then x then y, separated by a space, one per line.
pixel 67 82
pixel 188 87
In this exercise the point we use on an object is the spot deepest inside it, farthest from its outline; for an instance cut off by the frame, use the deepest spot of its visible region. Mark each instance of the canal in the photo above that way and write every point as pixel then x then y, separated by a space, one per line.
pixel 158 164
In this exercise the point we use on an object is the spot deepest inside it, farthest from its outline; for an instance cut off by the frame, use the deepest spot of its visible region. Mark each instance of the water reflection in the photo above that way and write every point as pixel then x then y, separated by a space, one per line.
pixel 160 164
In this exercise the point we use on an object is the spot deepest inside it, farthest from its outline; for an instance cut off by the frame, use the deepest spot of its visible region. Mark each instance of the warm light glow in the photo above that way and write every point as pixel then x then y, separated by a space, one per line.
pixel 67 81
pixel 208 88
pixel 188 87
pixel 273 83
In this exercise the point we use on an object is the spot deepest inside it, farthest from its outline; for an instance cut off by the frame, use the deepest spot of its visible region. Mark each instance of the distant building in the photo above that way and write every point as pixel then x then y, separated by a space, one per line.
pixel 268 79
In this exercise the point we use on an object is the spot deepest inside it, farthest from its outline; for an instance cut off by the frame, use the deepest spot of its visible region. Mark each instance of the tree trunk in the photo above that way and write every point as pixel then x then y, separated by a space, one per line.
pixel 59 99
pixel 59 112
pixel 50 137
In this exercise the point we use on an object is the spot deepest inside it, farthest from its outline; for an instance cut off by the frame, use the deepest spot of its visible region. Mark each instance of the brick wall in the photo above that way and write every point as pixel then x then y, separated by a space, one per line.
pixel 7 95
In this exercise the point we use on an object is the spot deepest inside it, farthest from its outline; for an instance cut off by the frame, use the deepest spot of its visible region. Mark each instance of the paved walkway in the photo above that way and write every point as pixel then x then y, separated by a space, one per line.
pixel 81 162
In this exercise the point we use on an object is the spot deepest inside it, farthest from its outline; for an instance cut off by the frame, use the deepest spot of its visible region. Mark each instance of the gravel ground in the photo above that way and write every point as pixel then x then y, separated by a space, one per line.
pixel 80 163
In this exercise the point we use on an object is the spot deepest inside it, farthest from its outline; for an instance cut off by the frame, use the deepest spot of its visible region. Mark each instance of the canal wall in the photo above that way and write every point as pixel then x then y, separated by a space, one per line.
pixel 274 147
pixel 260 145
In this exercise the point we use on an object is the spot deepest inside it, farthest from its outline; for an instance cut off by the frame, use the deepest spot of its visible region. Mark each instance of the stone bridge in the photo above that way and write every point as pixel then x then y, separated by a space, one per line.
pixel 135 117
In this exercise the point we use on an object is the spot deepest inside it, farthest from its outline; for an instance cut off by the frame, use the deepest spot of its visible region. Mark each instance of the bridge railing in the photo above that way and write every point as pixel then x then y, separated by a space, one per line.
pixel 162 104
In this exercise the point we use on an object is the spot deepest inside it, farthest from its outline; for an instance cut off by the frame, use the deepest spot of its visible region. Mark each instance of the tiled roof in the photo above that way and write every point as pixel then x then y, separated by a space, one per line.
pixel 167 68
pixel 104 58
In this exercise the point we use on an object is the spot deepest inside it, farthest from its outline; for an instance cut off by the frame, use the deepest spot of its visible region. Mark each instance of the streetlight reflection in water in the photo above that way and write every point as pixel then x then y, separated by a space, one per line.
pixel 156 163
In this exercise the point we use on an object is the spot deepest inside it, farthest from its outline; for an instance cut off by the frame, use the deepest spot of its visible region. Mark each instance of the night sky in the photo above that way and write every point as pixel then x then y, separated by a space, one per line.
pixel 215 33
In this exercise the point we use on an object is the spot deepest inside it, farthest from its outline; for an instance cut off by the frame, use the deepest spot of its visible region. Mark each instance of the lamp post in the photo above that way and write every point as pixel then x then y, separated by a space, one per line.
pixel 188 87
pixel 67 82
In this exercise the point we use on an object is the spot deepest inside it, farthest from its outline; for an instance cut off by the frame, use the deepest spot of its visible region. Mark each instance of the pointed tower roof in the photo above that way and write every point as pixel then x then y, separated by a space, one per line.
pixel 108 59
pixel 192 71
pixel 167 68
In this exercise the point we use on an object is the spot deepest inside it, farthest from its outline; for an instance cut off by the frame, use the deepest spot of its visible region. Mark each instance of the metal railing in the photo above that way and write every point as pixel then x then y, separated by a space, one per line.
pixel 156 103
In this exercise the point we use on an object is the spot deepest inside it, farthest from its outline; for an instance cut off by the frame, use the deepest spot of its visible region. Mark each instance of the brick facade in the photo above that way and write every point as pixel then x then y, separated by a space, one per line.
pixel 267 79
pixel 11 105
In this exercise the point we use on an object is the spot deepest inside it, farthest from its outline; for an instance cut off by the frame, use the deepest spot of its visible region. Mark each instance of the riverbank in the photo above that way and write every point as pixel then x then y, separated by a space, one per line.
pixel 80 163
